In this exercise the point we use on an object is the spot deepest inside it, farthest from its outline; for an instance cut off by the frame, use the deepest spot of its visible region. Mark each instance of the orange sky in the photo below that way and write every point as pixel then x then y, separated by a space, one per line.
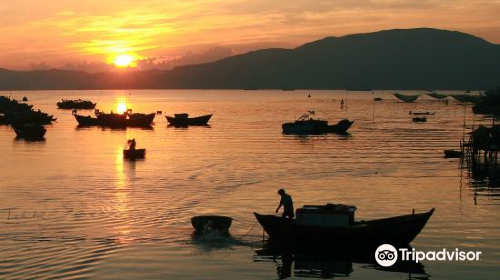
pixel 55 32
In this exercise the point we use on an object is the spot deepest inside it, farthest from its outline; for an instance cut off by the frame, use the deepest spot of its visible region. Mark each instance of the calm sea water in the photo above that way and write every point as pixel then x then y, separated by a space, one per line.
pixel 99 217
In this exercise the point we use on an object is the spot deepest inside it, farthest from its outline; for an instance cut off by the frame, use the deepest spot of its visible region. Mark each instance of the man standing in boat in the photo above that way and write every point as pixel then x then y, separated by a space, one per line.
pixel 287 203
pixel 132 144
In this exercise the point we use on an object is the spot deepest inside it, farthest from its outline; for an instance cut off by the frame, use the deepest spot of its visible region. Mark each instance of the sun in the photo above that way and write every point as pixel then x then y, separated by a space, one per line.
pixel 121 107
pixel 124 60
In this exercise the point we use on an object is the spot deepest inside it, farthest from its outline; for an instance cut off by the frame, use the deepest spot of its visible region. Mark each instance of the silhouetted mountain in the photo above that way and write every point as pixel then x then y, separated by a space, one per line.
pixel 420 58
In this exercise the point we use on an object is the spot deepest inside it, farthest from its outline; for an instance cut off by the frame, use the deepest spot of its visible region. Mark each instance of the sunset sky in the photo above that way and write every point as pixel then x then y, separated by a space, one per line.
pixel 87 34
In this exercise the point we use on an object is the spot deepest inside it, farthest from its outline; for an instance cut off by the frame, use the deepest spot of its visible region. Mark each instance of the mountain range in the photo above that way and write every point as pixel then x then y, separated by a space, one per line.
pixel 420 58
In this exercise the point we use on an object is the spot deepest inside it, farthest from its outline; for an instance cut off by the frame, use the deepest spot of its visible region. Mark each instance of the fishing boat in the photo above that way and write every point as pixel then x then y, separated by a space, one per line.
pixel 308 125
pixel 140 120
pixel 182 120
pixel 453 154
pixel 134 154
pixel 208 223
pixel 86 120
pixel 436 95
pixel 31 131
pixel 465 98
pixel 76 104
pixel 422 113
pixel 116 120
pixel 406 98
pixel 419 119
pixel 334 225
pixel 112 119
pixel 377 99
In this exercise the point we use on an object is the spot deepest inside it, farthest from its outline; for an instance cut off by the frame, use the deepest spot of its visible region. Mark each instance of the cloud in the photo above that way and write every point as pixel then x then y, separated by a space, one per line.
pixel 210 55
pixel 59 31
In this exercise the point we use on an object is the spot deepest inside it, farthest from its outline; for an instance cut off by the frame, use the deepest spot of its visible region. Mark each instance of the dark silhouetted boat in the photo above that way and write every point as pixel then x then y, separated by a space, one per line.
pixel 3 119
pixel 31 131
pixel 307 125
pixel 334 225
pixel 112 119
pixel 378 99
pixel 466 98
pixel 422 113
pixel 436 95
pixel 419 119
pixel 86 120
pixel 76 104
pixel 453 154
pixel 203 224
pixel 185 120
pixel 406 98
pixel 140 120
pixel 116 120
pixel 134 154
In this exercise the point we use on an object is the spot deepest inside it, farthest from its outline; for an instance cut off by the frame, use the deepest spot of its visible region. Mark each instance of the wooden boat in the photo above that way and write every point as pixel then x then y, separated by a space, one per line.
pixel 30 131
pixel 307 125
pixel 112 119
pixel 453 154
pixel 183 120
pixel 422 113
pixel 76 104
pixel 140 120
pixel 437 95
pixel 134 154
pixel 377 99
pixel 203 224
pixel 330 225
pixel 3 119
pixel 465 98
pixel 116 120
pixel 406 98
pixel 419 119
pixel 341 127
pixel 86 120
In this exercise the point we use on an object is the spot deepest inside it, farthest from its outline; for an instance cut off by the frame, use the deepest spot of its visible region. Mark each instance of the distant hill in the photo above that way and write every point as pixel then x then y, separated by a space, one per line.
pixel 421 58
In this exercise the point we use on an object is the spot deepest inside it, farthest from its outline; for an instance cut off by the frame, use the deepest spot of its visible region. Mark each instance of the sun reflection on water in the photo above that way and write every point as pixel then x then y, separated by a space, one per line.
pixel 123 229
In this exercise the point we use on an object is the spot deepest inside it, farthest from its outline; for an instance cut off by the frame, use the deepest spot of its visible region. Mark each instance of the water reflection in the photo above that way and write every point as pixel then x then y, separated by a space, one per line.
pixel 331 265
pixel 121 200
pixel 213 241
pixel 484 180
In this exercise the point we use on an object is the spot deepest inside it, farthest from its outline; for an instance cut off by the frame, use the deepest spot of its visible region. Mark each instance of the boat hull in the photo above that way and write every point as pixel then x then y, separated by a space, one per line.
pixel 31 132
pixel 116 120
pixel 406 98
pixel 201 120
pixel 134 154
pixel 316 127
pixel 86 120
pixel 140 120
pixel 398 231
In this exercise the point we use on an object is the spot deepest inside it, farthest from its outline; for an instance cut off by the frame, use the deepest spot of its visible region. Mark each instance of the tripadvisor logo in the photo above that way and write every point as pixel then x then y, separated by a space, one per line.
pixel 386 255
